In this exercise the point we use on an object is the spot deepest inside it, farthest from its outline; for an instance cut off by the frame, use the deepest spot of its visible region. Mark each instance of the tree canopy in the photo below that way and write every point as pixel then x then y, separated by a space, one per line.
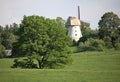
pixel 109 29
pixel 42 39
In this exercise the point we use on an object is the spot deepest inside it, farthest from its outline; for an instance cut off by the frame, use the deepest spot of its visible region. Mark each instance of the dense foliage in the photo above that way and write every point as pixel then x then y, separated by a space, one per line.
pixel 9 35
pixel 2 51
pixel 60 21
pixel 24 63
pixel 87 32
pixel 91 45
pixel 109 30
pixel 89 41
pixel 43 40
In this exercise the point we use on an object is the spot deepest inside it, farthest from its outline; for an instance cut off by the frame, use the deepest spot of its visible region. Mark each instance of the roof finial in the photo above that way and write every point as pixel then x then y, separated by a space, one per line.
pixel 78 13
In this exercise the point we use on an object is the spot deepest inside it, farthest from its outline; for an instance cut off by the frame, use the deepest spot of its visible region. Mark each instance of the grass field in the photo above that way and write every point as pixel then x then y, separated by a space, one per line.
pixel 87 67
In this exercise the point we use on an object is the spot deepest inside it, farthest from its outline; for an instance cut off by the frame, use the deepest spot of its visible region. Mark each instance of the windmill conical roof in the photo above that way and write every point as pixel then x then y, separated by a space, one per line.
pixel 73 21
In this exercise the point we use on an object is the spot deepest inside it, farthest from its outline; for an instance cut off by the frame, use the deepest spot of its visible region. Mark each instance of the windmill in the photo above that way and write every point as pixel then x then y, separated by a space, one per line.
pixel 73 24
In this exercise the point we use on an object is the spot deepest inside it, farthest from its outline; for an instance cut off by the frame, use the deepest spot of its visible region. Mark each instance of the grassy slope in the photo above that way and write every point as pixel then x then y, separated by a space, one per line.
pixel 87 67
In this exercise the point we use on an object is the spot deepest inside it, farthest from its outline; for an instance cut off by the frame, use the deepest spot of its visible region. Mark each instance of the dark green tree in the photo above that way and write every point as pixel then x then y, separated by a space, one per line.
pixel 13 28
pixel 1 31
pixel 2 51
pixel 42 39
pixel 2 48
pixel 8 35
pixel 8 39
pixel 109 29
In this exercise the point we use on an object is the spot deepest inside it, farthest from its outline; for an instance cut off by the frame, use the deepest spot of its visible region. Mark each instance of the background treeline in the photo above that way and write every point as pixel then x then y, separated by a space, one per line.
pixel 107 36
pixel 8 35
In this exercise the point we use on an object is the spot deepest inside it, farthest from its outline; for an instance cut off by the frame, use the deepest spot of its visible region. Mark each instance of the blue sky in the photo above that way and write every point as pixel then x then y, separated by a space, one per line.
pixel 90 10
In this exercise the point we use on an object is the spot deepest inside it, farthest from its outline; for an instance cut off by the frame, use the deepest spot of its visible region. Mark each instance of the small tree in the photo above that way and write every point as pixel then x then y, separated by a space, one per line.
pixel 42 39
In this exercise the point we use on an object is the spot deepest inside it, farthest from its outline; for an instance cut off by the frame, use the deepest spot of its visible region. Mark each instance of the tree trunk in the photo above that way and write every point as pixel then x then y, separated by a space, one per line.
pixel 40 64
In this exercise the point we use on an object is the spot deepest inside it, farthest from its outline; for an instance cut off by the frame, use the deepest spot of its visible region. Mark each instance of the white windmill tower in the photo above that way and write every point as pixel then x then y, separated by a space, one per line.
pixel 73 25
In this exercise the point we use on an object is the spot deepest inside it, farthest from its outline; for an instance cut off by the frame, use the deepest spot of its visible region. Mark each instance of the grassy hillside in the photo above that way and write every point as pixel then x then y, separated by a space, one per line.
pixel 87 67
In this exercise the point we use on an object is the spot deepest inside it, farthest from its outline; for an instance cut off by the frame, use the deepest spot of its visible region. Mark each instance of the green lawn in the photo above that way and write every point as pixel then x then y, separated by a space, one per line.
pixel 87 67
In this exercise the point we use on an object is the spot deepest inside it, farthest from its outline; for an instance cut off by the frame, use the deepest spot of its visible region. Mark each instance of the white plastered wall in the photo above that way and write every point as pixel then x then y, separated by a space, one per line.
pixel 74 32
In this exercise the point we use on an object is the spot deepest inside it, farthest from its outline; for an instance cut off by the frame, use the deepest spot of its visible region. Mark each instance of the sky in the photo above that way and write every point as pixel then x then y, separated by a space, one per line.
pixel 90 10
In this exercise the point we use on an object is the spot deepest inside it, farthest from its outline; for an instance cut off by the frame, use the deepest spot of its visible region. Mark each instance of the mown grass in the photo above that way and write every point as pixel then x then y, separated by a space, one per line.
pixel 86 67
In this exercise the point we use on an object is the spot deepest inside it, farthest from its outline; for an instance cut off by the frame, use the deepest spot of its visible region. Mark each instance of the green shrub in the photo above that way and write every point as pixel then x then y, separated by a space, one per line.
pixel 117 46
pixel 91 45
pixel 2 51
pixel 24 63
pixel 108 42
pixel 72 49
pixel 57 62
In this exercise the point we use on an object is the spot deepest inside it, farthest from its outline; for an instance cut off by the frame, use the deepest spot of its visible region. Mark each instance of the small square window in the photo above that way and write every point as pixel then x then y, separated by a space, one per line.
pixel 75 34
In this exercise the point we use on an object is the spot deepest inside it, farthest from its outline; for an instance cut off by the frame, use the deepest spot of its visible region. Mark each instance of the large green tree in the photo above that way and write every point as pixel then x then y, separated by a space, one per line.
pixel 42 39
pixel 109 29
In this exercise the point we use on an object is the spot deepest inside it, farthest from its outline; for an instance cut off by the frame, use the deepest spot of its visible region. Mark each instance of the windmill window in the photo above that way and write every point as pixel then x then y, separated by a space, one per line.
pixel 75 34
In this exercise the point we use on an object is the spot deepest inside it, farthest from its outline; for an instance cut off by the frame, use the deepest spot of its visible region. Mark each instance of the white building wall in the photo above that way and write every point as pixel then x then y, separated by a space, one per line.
pixel 74 32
